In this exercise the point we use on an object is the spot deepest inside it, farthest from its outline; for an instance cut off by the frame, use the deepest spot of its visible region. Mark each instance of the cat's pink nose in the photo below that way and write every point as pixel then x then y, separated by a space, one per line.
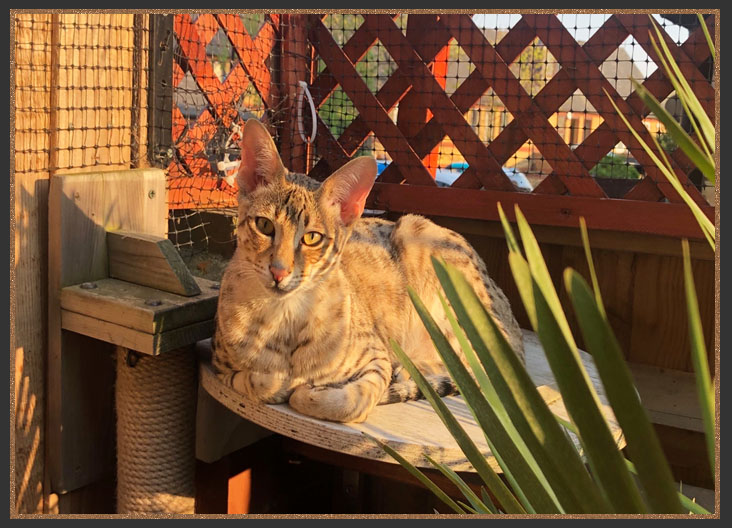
pixel 278 273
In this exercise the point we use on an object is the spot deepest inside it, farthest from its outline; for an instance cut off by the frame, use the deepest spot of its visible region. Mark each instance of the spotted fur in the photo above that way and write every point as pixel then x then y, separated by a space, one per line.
pixel 319 338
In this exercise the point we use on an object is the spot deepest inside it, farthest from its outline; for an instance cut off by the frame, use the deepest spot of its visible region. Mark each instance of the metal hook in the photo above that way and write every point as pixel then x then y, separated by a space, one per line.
pixel 303 89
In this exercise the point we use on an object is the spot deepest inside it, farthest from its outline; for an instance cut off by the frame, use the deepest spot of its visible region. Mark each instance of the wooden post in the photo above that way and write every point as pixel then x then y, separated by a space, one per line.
pixel 294 59
pixel 80 369
pixel 29 207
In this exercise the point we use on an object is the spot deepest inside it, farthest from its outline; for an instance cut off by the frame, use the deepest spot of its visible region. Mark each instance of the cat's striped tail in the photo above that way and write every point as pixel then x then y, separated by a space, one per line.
pixel 401 391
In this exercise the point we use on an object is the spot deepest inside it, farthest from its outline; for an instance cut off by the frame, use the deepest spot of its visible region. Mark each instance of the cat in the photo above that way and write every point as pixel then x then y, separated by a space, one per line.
pixel 314 292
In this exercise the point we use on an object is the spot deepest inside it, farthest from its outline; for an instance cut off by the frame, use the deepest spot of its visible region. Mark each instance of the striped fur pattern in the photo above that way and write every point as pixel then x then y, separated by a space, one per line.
pixel 310 323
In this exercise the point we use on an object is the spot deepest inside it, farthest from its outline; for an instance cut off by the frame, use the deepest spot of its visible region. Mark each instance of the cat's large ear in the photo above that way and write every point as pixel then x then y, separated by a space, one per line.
pixel 260 162
pixel 348 187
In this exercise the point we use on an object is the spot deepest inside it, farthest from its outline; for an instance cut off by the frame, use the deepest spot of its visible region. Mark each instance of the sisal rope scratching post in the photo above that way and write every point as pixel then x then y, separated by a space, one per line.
pixel 156 400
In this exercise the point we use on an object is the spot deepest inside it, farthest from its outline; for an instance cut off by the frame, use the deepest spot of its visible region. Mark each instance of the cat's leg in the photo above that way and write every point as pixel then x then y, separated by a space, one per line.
pixel 351 401
pixel 403 388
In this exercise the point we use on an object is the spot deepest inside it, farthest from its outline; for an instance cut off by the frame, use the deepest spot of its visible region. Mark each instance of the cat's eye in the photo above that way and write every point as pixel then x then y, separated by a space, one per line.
pixel 312 238
pixel 265 225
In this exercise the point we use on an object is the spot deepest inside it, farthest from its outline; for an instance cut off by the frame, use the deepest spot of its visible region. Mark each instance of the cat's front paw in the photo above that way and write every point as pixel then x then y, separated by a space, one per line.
pixel 263 387
pixel 328 402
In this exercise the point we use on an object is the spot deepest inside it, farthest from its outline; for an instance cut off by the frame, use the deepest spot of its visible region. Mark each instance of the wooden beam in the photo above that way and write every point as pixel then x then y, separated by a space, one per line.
pixel 151 344
pixel 669 396
pixel 401 425
pixel 599 239
pixel 295 65
pixel 600 213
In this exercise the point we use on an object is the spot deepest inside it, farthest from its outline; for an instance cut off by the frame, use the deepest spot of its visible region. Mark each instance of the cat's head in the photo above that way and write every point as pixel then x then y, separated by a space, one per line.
pixel 292 229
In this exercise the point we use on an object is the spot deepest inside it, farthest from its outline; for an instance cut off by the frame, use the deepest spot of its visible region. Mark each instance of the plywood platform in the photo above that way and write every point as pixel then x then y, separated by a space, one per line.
pixel 411 428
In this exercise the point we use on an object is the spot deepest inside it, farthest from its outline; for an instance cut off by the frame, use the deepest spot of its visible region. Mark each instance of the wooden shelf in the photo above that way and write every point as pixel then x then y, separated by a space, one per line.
pixel 143 319
pixel 411 428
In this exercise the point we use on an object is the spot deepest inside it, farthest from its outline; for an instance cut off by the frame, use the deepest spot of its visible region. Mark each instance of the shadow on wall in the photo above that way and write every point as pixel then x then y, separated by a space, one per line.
pixel 31 294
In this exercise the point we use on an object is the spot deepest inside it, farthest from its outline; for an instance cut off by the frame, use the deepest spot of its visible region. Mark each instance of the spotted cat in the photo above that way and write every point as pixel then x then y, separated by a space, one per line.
pixel 314 292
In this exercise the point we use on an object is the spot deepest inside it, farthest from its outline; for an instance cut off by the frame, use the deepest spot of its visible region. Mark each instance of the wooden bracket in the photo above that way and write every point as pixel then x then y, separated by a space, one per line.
pixel 149 260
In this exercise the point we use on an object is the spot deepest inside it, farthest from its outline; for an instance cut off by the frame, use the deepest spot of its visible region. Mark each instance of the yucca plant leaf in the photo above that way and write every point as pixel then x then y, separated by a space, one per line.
pixel 478 371
pixel 468 447
pixel 688 98
pixel 502 444
pixel 685 95
pixel 578 394
pixel 490 395
pixel 591 264
pixel 687 504
pixel 617 380
pixel 583 406
pixel 495 403
pixel 555 455
pixel 541 276
pixel 487 500
pixel 522 277
pixel 460 484
pixel 699 356
pixel 705 223
pixel 703 24
pixel 468 508
pixel 510 237
pixel 642 442
pixel 416 473
pixel 703 160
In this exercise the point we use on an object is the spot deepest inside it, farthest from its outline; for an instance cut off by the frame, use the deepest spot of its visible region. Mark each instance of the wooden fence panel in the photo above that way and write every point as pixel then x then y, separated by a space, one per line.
pixel 340 67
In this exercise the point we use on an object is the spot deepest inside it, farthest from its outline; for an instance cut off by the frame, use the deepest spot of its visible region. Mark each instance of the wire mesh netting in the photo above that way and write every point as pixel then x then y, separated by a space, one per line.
pixel 393 86
pixel 93 111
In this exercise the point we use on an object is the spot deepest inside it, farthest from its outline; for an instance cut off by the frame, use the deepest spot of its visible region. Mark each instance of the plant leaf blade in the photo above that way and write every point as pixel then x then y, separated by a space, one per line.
pixel 416 473
pixel 569 478
pixel 699 357
pixel 475 457
pixel 642 442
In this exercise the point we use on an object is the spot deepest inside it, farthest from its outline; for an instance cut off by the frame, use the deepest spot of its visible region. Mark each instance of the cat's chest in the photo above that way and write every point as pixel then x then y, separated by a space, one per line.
pixel 279 323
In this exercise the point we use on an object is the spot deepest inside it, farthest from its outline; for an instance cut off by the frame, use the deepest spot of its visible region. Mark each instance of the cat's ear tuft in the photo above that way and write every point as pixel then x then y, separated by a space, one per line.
pixel 348 187
pixel 260 162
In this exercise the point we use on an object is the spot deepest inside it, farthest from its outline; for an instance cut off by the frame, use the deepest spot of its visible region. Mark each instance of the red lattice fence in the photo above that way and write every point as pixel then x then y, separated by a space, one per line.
pixel 411 111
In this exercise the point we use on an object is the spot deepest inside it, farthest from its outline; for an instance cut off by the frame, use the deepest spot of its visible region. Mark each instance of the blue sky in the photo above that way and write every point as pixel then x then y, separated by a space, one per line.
pixel 582 25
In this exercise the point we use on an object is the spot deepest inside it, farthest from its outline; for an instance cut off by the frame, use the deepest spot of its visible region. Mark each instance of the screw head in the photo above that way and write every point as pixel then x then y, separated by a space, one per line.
pixel 151 194
pixel 153 302
pixel 88 285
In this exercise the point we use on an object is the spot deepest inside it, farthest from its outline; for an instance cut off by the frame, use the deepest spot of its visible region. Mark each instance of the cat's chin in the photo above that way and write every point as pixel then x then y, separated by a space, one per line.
pixel 280 292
